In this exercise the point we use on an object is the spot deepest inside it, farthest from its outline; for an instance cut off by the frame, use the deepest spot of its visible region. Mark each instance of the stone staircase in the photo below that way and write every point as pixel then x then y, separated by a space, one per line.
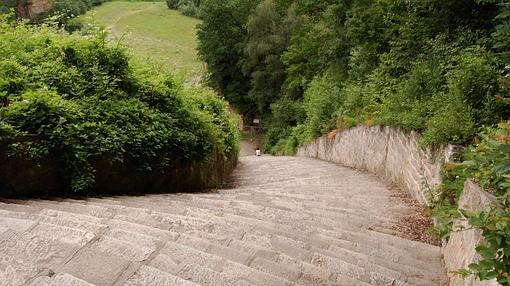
pixel 286 221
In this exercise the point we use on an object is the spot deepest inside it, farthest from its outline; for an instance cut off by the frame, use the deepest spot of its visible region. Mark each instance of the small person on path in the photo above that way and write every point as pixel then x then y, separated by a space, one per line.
pixel 257 152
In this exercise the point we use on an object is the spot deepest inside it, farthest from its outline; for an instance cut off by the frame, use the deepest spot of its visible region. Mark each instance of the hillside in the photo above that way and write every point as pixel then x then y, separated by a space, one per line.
pixel 153 31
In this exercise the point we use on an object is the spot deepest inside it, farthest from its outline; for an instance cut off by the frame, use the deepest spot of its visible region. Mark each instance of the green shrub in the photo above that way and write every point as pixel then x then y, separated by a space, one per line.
pixel 320 102
pixel 173 4
pixel 488 163
pixel 84 109
pixel 287 112
pixel 63 12
pixel 273 136
pixel 189 8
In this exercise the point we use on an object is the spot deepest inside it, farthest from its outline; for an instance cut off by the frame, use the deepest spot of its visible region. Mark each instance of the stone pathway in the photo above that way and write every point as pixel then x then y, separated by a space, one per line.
pixel 288 221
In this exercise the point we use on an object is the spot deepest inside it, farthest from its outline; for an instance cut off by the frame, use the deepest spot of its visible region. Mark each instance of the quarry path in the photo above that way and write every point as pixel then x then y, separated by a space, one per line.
pixel 285 221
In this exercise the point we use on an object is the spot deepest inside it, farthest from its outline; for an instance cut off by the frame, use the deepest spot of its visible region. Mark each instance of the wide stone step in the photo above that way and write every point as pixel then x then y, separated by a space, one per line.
pixel 270 210
pixel 188 252
pixel 60 279
pixel 425 271
pixel 268 260
pixel 285 217
pixel 149 276
pixel 108 242
pixel 367 275
pixel 290 221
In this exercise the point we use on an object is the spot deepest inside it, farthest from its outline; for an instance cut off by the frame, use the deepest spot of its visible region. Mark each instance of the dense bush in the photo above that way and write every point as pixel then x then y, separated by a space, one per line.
pixel 64 11
pixel 77 105
pixel 189 8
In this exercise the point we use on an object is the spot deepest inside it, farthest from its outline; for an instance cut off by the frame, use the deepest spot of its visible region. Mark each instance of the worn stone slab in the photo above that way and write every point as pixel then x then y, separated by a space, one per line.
pixel 16 221
pixel 95 267
pixel 27 248
pixel 61 279
pixel 460 251
pixel 17 271
pixel 148 276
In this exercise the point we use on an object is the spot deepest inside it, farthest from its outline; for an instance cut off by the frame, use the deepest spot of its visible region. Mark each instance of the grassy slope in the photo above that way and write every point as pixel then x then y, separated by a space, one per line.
pixel 153 31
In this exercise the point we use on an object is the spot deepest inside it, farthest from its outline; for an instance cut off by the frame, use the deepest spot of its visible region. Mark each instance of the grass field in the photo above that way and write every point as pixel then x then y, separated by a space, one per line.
pixel 153 31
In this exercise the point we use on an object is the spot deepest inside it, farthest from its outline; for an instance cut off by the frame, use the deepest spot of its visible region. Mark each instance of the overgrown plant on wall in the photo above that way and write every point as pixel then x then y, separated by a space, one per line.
pixel 488 163
pixel 75 107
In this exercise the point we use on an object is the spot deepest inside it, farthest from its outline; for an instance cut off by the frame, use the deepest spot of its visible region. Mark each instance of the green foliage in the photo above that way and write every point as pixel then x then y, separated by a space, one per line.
pixel 490 166
pixel 173 4
pixel 432 66
pixel 444 200
pixel 495 260
pixel 85 105
pixel 286 111
pixel 187 7
pixel 321 102
pixel 7 5
pixel 501 34
pixel 64 11
pixel 488 163
pixel 222 40
pixel 275 139
pixel 268 36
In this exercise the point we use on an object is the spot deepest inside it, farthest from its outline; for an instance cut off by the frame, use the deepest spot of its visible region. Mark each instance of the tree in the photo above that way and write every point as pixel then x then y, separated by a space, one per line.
pixel 222 39
pixel 269 32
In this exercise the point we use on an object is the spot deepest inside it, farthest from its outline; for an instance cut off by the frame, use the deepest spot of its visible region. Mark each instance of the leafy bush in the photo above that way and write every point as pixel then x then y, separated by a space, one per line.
pixel 321 101
pixel 64 11
pixel 488 163
pixel 173 4
pixel 276 136
pixel 76 105
pixel 189 8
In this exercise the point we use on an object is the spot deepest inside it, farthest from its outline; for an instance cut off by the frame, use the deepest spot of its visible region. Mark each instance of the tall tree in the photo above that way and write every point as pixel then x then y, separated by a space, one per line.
pixel 269 32
pixel 222 39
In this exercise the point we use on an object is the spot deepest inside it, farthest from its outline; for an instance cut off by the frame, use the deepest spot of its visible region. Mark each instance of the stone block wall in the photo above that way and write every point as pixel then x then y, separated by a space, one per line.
pixel 460 251
pixel 20 177
pixel 391 153
pixel 395 156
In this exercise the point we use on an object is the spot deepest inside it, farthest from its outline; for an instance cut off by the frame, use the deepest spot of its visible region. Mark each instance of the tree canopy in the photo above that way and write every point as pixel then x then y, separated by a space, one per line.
pixel 309 66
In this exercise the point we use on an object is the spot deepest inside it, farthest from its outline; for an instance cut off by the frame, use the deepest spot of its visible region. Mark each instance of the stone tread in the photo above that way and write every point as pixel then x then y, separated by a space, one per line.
pixel 289 221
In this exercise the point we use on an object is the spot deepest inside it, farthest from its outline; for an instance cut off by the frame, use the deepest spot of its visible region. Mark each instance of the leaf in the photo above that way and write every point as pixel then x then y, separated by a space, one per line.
pixel 502 168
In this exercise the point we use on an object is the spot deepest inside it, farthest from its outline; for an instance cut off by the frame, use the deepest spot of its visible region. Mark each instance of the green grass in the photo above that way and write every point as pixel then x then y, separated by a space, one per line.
pixel 153 32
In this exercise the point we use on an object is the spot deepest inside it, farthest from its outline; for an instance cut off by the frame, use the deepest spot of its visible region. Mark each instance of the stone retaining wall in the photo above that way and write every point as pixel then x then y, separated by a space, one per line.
pixel 395 156
pixel 23 178
pixel 391 153
pixel 460 251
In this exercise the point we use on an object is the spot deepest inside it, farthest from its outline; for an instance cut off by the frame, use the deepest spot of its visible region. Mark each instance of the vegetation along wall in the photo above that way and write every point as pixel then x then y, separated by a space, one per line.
pixel 62 12
pixel 78 116
pixel 471 221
